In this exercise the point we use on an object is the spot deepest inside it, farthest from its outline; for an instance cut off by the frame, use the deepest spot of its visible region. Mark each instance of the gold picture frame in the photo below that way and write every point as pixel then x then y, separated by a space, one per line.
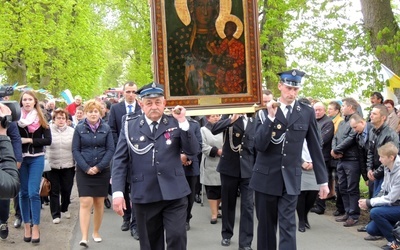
pixel 206 53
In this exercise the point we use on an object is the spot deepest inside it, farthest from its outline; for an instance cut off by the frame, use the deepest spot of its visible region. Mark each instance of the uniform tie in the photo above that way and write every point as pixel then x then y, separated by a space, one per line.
pixel 289 110
pixel 154 129
pixel 130 108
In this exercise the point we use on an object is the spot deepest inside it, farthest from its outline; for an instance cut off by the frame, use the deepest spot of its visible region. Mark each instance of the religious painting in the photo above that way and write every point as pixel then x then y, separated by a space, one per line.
pixel 206 52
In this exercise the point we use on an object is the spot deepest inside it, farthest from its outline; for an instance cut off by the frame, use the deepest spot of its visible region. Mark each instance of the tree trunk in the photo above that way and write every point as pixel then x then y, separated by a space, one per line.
pixel 380 24
pixel 17 72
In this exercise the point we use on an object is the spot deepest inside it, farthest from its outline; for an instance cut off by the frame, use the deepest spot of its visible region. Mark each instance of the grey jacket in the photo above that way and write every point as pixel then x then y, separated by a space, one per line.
pixel 390 192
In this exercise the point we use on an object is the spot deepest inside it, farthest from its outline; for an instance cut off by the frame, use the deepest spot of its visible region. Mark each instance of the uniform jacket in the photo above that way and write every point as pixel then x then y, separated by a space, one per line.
pixel 157 174
pixel 9 174
pixel 194 168
pixel 278 166
pixel 209 161
pixel 117 111
pixel 344 142
pixel 327 129
pixel 41 137
pixel 236 164
pixel 92 148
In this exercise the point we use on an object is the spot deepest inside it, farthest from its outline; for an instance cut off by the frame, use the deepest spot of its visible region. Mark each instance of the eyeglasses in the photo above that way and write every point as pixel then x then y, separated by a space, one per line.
pixel 130 92
pixel 60 118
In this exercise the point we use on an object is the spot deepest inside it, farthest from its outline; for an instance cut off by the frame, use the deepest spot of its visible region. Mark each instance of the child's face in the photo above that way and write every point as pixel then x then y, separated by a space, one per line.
pixel 385 160
pixel 230 29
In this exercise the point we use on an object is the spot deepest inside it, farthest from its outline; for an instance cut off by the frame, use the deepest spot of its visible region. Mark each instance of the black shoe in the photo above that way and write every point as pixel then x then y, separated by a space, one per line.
pixel 317 210
pixel 302 229
pixel 125 225
pixel 338 213
pixel 187 226
pixel 219 216
pixel 197 198
pixel 213 221
pixel 225 242
pixel 36 241
pixel 107 202
pixel 245 248
pixel 362 229
pixel 134 234
pixel 342 219
pixel 17 223
pixel 3 231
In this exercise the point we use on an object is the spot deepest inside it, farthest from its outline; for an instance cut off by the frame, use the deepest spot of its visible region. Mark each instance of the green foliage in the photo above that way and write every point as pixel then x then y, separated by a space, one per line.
pixel 60 44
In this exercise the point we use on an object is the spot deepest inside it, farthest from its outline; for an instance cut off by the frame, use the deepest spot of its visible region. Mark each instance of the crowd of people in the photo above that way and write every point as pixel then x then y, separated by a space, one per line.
pixel 288 157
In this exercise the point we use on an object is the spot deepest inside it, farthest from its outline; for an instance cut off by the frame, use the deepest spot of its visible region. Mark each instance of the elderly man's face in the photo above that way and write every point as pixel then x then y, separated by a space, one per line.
pixel 78 101
pixel 153 108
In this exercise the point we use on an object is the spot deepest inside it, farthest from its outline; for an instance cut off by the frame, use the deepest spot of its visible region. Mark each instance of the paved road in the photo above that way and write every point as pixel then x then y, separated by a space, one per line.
pixel 325 234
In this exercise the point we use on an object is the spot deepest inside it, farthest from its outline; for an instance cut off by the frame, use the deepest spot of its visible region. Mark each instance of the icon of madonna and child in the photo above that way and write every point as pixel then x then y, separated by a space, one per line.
pixel 206 52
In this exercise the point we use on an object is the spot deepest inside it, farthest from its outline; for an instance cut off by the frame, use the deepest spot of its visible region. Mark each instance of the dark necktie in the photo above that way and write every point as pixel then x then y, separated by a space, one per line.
pixel 130 108
pixel 289 110
pixel 154 129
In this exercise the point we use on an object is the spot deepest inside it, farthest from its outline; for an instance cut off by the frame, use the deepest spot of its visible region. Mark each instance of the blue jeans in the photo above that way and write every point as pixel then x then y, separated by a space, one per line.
pixel 377 186
pixel 383 220
pixel 4 210
pixel 29 199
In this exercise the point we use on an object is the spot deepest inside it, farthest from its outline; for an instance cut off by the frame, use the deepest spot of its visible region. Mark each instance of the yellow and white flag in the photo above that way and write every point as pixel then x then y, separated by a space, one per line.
pixel 394 82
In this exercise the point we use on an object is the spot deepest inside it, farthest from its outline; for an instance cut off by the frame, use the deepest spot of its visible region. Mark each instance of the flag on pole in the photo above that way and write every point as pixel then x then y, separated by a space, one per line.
pixel 394 82
pixel 66 94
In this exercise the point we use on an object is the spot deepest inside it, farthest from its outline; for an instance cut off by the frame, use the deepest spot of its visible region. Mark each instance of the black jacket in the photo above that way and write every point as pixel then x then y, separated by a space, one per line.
pixel 344 142
pixel 40 138
pixel 377 138
pixel 9 175
pixel 363 149
pixel 327 130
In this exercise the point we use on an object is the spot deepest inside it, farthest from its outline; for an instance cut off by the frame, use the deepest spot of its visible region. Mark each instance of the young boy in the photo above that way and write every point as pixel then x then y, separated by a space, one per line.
pixel 385 207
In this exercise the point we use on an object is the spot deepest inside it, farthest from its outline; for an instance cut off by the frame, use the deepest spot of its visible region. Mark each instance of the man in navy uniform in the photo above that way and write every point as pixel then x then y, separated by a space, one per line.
pixel 149 147
pixel 235 167
pixel 131 107
pixel 277 172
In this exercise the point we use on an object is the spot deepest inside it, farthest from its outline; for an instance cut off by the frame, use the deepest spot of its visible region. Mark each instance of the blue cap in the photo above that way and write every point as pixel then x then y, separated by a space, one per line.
pixel 151 90
pixel 292 77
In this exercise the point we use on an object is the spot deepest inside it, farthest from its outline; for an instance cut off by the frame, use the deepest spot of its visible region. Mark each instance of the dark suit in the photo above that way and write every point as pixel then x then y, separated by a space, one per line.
pixel 327 131
pixel 117 111
pixel 116 114
pixel 158 184
pixel 235 169
pixel 192 171
pixel 277 172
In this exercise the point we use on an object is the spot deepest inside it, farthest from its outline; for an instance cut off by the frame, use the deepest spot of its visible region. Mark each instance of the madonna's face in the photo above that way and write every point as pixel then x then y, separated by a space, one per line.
pixel 204 12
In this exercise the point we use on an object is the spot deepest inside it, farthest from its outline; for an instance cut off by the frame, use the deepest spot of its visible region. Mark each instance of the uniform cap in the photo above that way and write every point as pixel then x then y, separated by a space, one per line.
pixel 291 78
pixel 151 90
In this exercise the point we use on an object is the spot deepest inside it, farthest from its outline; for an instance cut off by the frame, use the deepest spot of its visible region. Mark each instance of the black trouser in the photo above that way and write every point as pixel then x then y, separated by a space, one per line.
pixel 229 188
pixel 61 181
pixel 157 220
pixel 305 202
pixel 192 184
pixel 129 213
pixel 4 210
